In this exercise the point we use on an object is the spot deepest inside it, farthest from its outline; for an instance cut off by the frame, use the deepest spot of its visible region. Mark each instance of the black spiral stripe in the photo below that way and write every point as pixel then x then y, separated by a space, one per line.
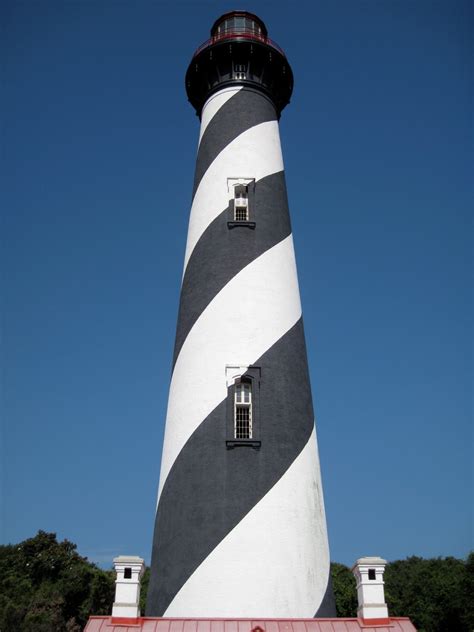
pixel 221 253
pixel 327 607
pixel 196 510
pixel 241 112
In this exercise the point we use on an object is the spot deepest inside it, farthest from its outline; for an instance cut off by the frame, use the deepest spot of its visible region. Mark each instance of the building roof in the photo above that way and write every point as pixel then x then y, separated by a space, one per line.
pixel 154 624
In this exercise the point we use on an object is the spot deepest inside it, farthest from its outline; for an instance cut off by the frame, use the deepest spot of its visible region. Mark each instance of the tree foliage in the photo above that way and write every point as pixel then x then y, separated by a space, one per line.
pixel 46 586
pixel 344 587
pixel 437 594
pixel 434 593
pixel 144 589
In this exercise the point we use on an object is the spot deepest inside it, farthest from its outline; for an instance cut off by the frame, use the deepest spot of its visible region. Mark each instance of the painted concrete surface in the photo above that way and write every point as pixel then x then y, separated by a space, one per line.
pixel 242 530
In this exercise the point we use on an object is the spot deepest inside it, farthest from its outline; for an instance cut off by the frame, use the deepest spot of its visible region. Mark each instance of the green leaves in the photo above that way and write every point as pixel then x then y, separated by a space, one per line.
pixel 430 592
pixel 46 586
pixel 344 587
pixel 437 594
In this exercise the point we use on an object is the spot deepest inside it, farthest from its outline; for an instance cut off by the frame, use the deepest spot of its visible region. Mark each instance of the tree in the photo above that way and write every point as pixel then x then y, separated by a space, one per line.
pixel 344 587
pixel 437 594
pixel 430 592
pixel 144 589
pixel 46 586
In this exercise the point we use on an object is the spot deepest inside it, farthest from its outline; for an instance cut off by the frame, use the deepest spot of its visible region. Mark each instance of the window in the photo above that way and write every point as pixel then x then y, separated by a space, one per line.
pixel 241 203
pixel 240 71
pixel 243 406
pixel 243 411
pixel 371 573
pixel 127 573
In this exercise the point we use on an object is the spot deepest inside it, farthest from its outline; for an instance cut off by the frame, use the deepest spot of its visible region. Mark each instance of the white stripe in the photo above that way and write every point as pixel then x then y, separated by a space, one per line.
pixel 213 105
pixel 256 307
pixel 275 562
pixel 256 153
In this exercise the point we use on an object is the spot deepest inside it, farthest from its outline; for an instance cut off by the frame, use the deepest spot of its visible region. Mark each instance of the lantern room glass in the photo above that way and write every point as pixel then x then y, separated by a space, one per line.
pixel 239 24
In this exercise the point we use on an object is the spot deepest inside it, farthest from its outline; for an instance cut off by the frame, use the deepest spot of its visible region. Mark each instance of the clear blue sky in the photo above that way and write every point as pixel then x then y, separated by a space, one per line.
pixel 99 146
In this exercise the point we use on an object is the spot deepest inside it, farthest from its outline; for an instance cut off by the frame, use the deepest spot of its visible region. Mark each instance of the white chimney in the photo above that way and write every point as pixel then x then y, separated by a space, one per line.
pixel 129 571
pixel 368 572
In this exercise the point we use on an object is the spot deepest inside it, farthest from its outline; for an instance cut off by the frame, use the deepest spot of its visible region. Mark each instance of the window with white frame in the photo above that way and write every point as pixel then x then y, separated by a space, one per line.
pixel 243 410
pixel 241 203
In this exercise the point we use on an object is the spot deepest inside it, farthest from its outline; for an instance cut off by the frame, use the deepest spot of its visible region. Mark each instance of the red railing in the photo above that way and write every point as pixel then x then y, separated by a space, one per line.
pixel 240 34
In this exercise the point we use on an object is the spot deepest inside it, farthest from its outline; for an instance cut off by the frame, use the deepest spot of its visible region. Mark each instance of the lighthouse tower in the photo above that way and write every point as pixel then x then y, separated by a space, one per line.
pixel 240 527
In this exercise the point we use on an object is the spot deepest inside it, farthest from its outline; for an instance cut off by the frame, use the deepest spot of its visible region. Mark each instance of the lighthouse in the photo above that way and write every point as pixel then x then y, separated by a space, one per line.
pixel 240 528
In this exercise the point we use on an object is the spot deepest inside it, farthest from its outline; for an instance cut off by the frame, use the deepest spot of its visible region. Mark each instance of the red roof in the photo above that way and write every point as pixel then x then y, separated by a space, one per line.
pixel 152 624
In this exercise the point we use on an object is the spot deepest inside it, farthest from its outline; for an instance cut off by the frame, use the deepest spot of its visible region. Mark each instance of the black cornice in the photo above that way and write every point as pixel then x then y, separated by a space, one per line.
pixel 213 68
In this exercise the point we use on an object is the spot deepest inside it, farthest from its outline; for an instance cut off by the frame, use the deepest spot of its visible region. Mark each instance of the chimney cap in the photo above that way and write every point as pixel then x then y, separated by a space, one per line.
pixel 128 559
pixel 370 561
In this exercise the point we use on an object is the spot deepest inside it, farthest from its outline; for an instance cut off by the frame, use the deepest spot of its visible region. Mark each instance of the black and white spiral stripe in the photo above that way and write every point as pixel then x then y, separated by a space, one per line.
pixel 239 532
